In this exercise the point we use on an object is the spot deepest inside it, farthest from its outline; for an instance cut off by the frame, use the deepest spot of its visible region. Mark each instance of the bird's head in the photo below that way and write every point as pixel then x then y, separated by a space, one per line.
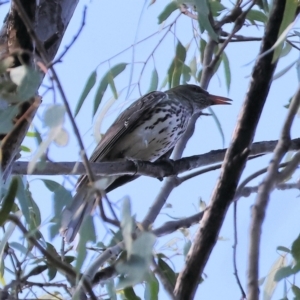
pixel 199 97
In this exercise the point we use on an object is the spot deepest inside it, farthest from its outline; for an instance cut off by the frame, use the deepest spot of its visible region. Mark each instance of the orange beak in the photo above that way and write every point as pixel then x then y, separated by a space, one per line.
pixel 219 100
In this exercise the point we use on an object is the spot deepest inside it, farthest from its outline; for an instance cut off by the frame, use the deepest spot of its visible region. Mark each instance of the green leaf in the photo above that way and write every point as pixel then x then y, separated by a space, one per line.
pixel 35 214
pixel 175 70
pixel 256 15
pixel 202 48
pixel 111 291
pixel 216 7
pixel 25 149
pixel 154 81
pixel 263 4
pixel 286 49
pixel 54 115
pixel 86 233
pixel 6 118
pixel 130 294
pixel 22 249
pixel 288 18
pixel 36 270
pixel 203 18
pixel 284 70
pixel 23 199
pixel 127 226
pixel 87 88
pixel 193 66
pixel 284 249
pixel 27 79
pixel 151 288
pixel 9 200
pixel 6 63
pixel 296 249
pixel 219 126
pixel 186 74
pixel 296 292
pixel 172 6
pixel 168 272
pixel 187 247
pixel 226 70
pixel 108 79
pixel 61 196
pixel 283 272
pixel 52 271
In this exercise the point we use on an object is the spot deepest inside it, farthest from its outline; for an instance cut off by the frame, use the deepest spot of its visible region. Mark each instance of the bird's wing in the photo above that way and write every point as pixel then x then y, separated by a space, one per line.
pixel 123 124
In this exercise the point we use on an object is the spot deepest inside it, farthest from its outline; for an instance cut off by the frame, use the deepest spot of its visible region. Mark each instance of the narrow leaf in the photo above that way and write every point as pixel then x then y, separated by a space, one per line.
pixel 256 15
pixel 271 282
pixel 296 292
pixel 227 71
pixel 130 294
pixel 151 288
pixel 154 81
pixel 108 79
pixel 88 86
pixel 27 80
pixel 219 126
pixel 286 24
pixel 25 149
pixel 54 115
pixel 179 60
pixel 9 200
pixel 283 71
pixel 6 118
pixel 168 272
pixel 167 12
pixel 202 48
pixel 203 19
pixel 296 249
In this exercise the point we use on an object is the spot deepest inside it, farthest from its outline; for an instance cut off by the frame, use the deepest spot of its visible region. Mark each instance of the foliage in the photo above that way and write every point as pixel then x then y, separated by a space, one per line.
pixel 125 263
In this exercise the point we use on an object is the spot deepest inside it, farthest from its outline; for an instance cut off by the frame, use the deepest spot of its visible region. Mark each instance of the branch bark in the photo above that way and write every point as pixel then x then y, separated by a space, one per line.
pixel 262 199
pixel 50 20
pixel 234 161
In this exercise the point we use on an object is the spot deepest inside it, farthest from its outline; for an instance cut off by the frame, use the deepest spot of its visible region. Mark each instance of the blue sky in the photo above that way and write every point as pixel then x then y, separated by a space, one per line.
pixel 113 26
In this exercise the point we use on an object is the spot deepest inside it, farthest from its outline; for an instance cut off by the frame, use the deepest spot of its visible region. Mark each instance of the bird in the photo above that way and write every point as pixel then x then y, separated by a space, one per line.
pixel 147 130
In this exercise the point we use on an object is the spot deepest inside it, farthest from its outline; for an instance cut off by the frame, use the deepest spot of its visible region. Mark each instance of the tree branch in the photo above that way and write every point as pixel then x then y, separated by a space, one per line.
pixel 234 161
pixel 14 36
pixel 262 199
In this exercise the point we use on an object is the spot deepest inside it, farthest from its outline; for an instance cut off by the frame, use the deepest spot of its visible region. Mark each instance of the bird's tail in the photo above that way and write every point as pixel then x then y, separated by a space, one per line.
pixel 73 215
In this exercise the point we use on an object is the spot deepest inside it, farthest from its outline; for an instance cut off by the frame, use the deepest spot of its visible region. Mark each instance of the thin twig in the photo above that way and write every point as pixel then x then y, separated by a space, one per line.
pixel 59 59
pixel 262 199
pixel 43 55
pixel 61 266
pixel 234 253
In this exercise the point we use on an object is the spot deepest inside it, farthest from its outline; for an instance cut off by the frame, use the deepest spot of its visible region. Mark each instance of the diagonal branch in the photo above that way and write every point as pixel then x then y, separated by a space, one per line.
pixel 262 199
pixel 14 36
pixel 234 162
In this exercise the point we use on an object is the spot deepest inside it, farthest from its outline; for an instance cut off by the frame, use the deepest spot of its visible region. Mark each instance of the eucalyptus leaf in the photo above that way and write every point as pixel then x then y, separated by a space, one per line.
pixel 285 26
pixel 256 15
pixel 6 118
pixel 87 88
pixel 27 79
pixel 108 79
pixel 226 70
pixel 168 10
pixel 203 11
pixel 154 81
pixel 54 115
pixel 151 287
pixel 8 200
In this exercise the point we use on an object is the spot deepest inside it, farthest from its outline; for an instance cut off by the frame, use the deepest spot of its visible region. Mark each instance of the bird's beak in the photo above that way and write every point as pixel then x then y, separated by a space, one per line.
pixel 219 100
